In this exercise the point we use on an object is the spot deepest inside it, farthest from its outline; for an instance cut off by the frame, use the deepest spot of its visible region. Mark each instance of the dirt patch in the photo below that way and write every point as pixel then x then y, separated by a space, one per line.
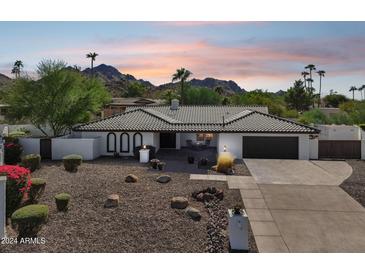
pixel 143 222
pixel 355 184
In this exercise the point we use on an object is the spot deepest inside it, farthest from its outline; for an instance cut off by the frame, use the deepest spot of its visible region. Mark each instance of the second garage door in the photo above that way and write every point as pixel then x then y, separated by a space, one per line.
pixel 270 147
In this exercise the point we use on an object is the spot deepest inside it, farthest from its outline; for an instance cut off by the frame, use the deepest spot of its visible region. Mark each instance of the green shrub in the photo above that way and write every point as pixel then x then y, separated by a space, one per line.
pixel 314 116
pixel 362 126
pixel 72 162
pixel 32 162
pixel 62 201
pixel 36 189
pixel 28 220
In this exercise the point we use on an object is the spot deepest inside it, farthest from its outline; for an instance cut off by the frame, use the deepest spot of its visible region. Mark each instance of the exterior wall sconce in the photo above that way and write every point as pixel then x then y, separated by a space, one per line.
pixel 224 148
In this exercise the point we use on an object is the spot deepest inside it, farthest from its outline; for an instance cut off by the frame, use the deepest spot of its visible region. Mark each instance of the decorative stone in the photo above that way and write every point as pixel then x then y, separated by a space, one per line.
pixel 200 197
pixel 112 201
pixel 131 178
pixel 163 179
pixel 179 202
pixel 193 213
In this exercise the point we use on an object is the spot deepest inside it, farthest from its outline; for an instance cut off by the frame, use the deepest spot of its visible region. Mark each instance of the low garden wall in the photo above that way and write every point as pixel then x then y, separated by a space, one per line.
pixel 363 145
pixel 30 145
pixel 88 148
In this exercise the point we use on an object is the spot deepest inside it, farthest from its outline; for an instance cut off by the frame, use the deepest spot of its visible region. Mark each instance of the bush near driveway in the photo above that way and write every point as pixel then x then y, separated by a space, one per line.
pixel 62 201
pixel 28 220
pixel 32 162
pixel 36 189
pixel 72 162
pixel 18 184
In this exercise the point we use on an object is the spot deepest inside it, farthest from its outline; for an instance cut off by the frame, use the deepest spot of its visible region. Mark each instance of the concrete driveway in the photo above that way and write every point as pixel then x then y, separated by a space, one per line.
pixel 299 172
pixel 297 206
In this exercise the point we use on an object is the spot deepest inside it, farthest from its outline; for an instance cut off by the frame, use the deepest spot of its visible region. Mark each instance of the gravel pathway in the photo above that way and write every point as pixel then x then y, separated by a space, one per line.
pixel 355 184
pixel 143 222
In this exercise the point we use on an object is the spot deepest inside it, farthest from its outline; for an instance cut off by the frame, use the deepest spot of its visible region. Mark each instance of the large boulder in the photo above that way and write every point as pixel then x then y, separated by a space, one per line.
pixel 112 201
pixel 179 202
pixel 193 213
pixel 163 179
pixel 131 178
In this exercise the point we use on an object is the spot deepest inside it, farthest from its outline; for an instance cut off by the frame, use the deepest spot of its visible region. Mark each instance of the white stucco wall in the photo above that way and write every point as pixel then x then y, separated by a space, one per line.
pixel 362 145
pixel 339 132
pixel 313 149
pixel 30 145
pixel 233 141
pixel 192 136
pixel 88 148
pixel 149 138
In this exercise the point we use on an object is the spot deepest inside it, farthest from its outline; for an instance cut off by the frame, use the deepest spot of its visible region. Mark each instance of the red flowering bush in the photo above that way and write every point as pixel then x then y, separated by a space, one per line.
pixel 12 152
pixel 17 185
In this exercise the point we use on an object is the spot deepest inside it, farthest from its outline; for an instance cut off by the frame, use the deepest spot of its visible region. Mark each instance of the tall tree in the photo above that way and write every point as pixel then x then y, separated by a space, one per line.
pixel 92 56
pixel 305 74
pixel 17 67
pixel 298 97
pixel 60 98
pixel 310 67
pixel 362 92
pixel 181 75
pixel 353 89
pixel 321 74
pixel 219 90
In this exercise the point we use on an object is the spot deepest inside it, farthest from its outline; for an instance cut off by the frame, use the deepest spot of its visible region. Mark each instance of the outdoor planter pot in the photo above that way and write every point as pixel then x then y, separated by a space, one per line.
pixel 161 165
pixel 191 159
pixel 154 163
pixel 238 229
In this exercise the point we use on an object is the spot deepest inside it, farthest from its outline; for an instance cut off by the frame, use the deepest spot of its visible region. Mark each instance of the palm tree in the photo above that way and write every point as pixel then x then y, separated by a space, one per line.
pixel 310 82
pixel 362 90
pixel 18 65
pixel 305 74
pixel 219 90
pixel 92 55
pixel 353 88
pixel 310 67
pixel 181 74
pixel 321 74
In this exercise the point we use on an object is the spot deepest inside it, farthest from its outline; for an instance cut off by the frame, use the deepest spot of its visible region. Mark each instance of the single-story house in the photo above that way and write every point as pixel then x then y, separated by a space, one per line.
pixel 245 131
pixel 119 105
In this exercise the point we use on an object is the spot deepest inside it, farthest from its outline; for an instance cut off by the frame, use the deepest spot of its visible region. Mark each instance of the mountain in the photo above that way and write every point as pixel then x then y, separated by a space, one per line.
pixel 115 81
pixel 118 83
pixel 229 87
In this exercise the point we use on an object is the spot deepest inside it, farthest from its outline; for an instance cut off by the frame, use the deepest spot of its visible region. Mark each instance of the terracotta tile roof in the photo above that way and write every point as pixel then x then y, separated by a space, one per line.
pixel 196 119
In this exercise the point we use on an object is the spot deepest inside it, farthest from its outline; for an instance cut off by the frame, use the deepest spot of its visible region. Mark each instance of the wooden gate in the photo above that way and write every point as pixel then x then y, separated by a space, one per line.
pixel 339 149
pixel 45 148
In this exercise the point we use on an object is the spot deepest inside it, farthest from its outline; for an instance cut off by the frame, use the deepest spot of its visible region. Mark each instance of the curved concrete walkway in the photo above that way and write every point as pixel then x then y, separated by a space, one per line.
pixel 297 206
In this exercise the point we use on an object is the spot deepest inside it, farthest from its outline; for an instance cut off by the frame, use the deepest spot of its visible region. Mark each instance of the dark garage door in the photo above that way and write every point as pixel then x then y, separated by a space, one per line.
pixel 339 149
pixel 270 147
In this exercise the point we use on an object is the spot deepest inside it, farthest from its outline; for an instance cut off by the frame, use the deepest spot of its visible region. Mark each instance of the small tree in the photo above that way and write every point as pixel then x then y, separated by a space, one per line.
pixel 298 97
pixel 60 99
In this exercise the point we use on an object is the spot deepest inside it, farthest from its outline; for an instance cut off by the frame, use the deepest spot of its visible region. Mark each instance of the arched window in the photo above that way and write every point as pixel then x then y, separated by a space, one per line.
pixel 137 139
pixel 111 142
pixel 124 142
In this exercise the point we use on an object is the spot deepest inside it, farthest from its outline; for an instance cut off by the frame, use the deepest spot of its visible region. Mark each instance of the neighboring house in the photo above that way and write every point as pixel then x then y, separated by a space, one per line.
pixel 119 105
pixel 245 131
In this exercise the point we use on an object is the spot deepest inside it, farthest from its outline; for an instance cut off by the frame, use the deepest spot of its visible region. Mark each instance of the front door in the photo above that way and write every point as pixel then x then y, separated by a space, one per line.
pixel 167 140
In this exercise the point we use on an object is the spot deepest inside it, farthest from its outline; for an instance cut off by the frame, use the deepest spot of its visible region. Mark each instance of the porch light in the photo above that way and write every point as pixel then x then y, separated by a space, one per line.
pixel 144 147
pixel 224 148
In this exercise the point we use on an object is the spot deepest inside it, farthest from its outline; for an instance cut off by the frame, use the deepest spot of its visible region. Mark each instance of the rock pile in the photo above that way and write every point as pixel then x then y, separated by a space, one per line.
pixel 208 194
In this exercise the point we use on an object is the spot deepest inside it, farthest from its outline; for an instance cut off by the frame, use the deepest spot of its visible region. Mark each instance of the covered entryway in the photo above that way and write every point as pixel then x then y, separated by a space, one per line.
pixel 270 147
pixel 167 140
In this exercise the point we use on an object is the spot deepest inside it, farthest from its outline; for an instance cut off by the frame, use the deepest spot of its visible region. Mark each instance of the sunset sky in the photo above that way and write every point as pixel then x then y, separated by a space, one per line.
pixel 267 55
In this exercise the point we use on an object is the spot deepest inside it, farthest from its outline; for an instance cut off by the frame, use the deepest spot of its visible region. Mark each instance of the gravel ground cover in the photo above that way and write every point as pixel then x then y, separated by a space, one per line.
pixel 355 184
pixel 144 220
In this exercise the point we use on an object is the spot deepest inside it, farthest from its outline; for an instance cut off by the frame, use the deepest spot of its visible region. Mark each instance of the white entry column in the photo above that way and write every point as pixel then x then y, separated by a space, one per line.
pixel 2 206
